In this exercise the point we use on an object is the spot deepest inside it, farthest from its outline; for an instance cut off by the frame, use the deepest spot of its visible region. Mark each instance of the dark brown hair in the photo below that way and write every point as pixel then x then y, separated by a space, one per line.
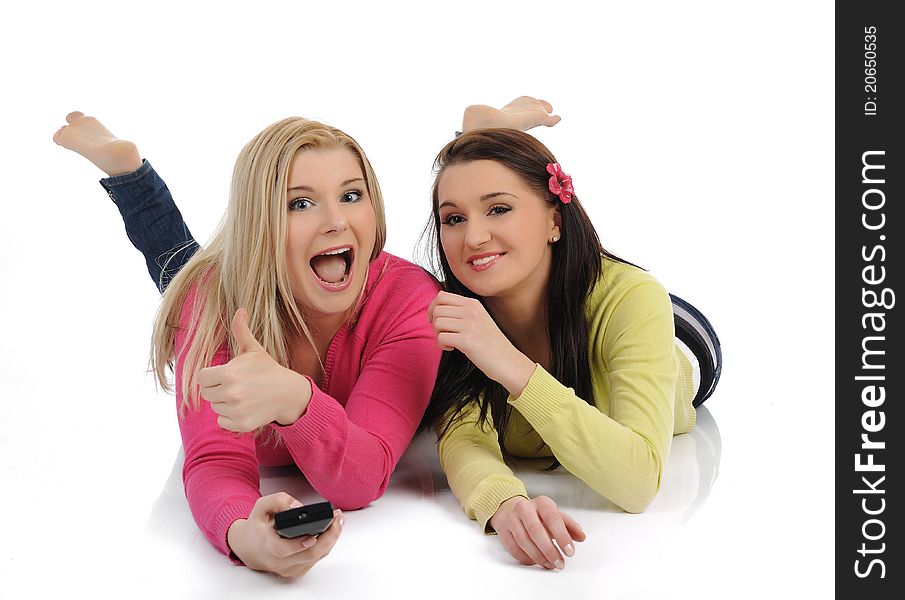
pixel 576 267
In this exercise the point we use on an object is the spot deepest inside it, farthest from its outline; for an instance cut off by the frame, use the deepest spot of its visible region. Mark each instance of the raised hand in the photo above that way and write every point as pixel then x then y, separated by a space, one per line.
pixel 252 389
pixel 527 529
pixel 257 544
pixel 523 113
pixel 463 324
pixel 88 137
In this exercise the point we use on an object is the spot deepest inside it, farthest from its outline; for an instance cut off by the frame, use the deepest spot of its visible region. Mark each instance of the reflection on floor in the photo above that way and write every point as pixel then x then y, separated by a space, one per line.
pixel 418 527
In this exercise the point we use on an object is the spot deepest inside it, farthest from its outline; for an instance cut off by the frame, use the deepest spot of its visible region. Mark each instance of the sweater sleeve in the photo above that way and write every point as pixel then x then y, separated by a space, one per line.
pixel 220 472
pixel 620 446
pixel 471 458
pixel 348 452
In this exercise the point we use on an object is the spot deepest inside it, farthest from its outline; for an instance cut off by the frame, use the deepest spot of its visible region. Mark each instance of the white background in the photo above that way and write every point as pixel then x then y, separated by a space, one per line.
pixel 700 138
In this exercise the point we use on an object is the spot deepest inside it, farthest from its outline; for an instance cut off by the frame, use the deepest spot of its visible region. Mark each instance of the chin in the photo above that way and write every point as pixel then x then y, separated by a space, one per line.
pixel 334 303
pixel 483 290
pixel 332 306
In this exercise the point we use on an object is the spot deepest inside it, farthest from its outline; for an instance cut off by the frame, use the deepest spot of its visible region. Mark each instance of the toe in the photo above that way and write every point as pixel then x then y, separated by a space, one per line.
pixel 74 115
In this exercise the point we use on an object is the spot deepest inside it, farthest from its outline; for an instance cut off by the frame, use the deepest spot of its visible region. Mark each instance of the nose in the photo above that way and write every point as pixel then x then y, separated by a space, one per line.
pixel 476 233
pixel 334 219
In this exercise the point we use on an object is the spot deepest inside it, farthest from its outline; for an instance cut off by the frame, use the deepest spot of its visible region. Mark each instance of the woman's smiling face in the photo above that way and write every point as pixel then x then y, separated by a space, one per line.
pixel 495 230
pixel 331 230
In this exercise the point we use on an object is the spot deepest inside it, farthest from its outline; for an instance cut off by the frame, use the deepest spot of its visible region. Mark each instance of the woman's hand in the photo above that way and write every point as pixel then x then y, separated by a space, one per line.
pixel 257 544
pixel 252 389
pixel 527 529
pixel 463 324
pixel 523 113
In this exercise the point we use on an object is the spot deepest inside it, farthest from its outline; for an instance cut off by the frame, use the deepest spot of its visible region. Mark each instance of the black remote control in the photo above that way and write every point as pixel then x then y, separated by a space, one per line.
pixel 313 519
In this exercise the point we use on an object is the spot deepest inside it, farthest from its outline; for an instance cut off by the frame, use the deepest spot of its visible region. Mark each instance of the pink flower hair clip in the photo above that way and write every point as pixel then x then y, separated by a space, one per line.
pixel 560 183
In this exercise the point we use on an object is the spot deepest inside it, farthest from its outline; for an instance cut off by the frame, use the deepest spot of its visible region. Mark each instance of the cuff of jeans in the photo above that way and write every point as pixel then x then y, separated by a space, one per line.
pixel 111 182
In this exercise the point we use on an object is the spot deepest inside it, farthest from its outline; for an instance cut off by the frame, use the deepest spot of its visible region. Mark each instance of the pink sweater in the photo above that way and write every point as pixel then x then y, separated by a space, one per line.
pixel 378 381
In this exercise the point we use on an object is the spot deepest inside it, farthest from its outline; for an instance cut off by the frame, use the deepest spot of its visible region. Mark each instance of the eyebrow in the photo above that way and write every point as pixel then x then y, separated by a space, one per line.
pixel 310 189
pixel 484 198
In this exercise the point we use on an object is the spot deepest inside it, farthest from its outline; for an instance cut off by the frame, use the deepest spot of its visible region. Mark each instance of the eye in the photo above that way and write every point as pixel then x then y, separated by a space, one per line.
pixel 352 196
pixel 499 209
pixel 452 220
pixel 300 204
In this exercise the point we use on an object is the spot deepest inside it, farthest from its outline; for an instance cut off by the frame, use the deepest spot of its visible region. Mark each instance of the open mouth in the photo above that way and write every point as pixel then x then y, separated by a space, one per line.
pixel 333 267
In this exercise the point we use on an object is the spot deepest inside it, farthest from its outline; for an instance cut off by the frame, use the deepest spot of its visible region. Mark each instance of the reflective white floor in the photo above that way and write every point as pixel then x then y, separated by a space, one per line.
pixel 116 524
pixel 416 539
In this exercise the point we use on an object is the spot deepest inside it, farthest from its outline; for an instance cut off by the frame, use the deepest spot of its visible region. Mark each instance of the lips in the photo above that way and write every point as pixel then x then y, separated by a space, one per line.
pixel 332 268
pixel 482 262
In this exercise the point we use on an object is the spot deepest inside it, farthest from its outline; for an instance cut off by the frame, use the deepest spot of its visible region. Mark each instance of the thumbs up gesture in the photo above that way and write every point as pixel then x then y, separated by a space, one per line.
pixel 252 389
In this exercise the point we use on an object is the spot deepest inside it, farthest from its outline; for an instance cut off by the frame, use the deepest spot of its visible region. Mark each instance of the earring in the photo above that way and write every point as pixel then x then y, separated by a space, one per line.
pixel 554 239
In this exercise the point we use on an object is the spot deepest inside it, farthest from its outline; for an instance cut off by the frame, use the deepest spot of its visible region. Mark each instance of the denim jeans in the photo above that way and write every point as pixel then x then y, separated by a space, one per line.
pixel 153 223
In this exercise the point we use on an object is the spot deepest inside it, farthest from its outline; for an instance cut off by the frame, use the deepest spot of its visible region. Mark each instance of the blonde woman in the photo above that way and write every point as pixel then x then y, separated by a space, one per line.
pixel 292 336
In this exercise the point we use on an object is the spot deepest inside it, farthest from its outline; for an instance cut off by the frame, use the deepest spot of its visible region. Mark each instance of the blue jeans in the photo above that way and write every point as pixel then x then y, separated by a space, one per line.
pixel 153 223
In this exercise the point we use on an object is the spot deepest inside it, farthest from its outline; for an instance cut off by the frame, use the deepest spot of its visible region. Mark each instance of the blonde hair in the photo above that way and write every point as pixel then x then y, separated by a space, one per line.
pixel 244 266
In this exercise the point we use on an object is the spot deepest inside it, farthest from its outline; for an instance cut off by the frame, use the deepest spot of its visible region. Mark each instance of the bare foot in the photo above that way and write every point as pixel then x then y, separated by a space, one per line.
pixel 523 113
pixel 88 137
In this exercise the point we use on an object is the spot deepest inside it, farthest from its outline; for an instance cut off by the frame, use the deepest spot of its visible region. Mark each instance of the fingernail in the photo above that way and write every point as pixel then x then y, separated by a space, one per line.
pixel 341 521
pixel 309 542
pixel 569 550
pixel 295 504
pixel 560 564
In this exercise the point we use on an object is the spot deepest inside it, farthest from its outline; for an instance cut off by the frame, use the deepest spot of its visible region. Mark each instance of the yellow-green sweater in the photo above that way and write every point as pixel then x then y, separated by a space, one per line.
pixel 619 445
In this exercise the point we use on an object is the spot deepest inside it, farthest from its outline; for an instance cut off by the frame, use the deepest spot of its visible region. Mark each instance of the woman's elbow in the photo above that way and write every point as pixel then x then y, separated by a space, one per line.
pixel 640 490
pixel 354 499
pixel 640 495
pixel 349 503
pixel 638 503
